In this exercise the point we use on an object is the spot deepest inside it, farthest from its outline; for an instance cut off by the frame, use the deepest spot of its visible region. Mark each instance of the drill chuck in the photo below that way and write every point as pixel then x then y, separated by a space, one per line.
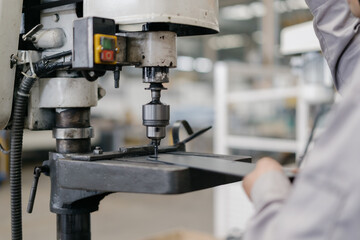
pixel 156 118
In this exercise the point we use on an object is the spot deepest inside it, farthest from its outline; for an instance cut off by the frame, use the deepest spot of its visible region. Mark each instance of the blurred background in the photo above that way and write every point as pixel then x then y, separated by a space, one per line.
pixel 260 83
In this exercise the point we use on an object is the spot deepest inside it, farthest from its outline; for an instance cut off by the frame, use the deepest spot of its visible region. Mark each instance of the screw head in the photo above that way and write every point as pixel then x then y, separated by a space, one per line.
pixel 98 150
pixel 56 17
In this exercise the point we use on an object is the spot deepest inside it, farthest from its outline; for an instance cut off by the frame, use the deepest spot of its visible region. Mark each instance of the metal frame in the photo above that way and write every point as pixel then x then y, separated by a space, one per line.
pixel 223 97
pixel 232 198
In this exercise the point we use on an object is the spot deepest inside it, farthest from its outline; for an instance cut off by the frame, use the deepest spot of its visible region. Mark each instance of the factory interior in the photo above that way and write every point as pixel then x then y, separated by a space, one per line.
pixel 261 83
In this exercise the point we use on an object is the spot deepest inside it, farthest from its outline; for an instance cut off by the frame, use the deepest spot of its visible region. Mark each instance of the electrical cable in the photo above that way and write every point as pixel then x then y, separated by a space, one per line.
pixel 58 55
pixel 20 106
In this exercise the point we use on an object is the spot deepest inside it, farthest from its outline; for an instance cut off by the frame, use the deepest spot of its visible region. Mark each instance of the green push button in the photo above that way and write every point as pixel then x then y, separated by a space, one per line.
pixel 107 43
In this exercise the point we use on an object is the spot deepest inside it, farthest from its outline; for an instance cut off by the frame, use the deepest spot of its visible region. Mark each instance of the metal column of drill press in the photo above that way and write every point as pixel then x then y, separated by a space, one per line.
pixel 156 115
pixel 73 135
pixel 73 131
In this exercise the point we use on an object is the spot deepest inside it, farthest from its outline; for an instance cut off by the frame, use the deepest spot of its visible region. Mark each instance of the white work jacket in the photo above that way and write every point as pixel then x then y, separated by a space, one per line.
pixel 324 202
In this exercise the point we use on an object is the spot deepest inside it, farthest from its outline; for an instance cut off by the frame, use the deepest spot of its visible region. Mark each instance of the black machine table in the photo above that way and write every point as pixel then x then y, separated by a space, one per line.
pixel 170 173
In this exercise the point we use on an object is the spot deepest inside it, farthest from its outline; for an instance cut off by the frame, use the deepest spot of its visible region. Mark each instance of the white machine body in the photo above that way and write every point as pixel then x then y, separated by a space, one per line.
pixel 10 20
pixel 198 13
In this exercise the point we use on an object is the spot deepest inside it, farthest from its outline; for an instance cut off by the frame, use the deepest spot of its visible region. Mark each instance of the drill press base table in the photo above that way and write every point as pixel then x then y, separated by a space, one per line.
pixel 142 174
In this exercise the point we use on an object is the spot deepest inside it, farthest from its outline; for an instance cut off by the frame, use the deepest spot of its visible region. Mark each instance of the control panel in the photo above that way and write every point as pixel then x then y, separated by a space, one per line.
pixel 105 49
pixel 95 44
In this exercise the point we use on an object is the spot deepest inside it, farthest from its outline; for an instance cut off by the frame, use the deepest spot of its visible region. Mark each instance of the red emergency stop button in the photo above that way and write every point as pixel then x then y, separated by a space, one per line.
pixel 107 56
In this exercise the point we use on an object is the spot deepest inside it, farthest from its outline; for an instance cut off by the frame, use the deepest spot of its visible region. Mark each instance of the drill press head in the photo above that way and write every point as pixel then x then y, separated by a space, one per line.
pixel 144 35
pixel 155 114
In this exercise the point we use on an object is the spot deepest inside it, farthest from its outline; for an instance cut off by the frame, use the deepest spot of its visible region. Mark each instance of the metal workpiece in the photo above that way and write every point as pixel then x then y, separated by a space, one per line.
pixel 155 74
pixel 123 152
pixel 151 49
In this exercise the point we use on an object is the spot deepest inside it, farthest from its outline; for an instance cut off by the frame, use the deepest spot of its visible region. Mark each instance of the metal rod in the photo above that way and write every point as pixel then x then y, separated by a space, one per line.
pixel 75 226
pixel 58 55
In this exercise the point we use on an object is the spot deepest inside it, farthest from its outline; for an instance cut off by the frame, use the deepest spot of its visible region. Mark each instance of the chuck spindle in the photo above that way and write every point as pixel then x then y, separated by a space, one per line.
pixel 156 115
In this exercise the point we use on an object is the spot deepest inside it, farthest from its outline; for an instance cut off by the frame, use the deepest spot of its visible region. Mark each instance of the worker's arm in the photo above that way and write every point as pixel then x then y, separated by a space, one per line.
pixel 322 204
pixel 336 29
pixel 267 187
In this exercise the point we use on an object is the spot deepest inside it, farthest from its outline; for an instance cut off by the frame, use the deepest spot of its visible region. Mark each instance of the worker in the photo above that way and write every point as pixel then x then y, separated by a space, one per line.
pixel 324 201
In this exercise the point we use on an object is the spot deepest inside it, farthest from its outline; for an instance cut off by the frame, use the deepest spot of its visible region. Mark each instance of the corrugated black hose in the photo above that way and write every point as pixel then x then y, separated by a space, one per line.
pixel 20 106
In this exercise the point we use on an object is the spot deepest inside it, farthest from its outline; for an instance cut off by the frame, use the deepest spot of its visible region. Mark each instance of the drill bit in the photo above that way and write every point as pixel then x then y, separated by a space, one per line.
pixel 156 150
pixel 156 144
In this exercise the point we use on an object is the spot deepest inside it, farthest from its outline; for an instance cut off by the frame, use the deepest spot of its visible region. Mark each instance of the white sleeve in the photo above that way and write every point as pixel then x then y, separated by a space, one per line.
pixel 337 31
pixel 323 203
pixel 268 195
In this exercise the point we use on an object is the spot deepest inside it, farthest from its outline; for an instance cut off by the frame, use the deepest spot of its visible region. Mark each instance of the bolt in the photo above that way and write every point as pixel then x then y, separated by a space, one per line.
pixel 13 60
pixel 122 149
pixel 56 17
pixel 98 150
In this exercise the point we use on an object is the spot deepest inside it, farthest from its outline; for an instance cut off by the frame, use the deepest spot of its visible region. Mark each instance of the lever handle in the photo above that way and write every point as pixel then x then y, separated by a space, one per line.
pixel 29 35
pixel 117 76
pixel 176 130
pixel 37 173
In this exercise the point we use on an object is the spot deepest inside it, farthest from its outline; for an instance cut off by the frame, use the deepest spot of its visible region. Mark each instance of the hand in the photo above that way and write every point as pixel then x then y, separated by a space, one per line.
pixel 354 7
pixel 263 166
